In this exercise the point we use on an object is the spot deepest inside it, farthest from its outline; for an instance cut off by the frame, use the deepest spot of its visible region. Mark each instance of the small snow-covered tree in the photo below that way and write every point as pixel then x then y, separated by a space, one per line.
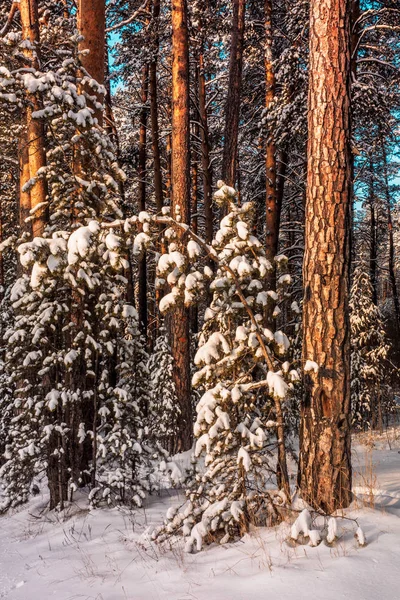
pixel 79 371
pixel 124 453
pixel 165 407
pixel 369 353
pixel 244 380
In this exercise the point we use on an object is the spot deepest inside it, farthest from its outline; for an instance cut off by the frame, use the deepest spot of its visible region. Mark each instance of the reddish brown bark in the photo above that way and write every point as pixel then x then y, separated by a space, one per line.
pixel 91 25
pixel 155 136
pixel 35 135
pixel 273 204
pixel 325 466
pixel 24 197
pixel 179 322
pixel 142 276
pixel 232 107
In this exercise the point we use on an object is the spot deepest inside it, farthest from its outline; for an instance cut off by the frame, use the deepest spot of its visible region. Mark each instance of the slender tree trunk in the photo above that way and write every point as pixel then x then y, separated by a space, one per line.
pixel 155 134
pixel 373 241
pixel 194 205
pixel 109 125
pixel 232 107
pixel 24 197
pixel 142 276
pixel 355 36
pixel 205 152
pixel 194 190
pixel 272 208
pixel 392 274
pixel 155 141
pixel 111 129
pixel 179 321
pixel 280 185
pixel 35 136
pixel 91 25
pixel 325 452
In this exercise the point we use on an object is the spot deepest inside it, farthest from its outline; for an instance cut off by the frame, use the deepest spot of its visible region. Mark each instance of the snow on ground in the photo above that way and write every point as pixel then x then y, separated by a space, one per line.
pixel 104 555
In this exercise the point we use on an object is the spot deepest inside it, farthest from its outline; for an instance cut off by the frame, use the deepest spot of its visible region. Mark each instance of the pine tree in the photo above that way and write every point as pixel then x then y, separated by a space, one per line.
pixel 164 404
pixel 369 353
pixel 243 384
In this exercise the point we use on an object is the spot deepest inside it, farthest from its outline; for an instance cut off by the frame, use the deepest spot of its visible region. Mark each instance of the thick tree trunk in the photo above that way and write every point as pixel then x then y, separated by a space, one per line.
pixel 179 321
pixel 232 107
pixel 142 276
pixel 91 25
pixel 35 135
pixel 325 453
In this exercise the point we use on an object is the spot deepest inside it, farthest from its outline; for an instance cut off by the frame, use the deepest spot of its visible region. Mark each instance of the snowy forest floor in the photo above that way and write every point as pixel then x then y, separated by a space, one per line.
pixel 103 555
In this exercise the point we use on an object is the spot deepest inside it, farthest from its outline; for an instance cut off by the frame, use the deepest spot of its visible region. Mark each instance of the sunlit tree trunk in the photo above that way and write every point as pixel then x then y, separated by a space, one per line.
pixel 325 466
pixel 272 208
pixel 179 321
pixel 155 134
pixel 24 196
pixel 91 25
pixel 35 134
pixel 142 174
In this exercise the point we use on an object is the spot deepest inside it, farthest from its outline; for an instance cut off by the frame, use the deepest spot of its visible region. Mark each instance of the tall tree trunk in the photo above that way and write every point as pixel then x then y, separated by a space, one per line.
pixel 355 35
pixel 110 125
pixel 392 274
pixel 155 136
pixel 155 133
pixel 194 204
pixel 194 189
pixel 91 25
pixel 325 450
pixel 111 130
pixel 179 321
pixel 35 135
pixel 24 196
pixel 272 208
pixel 232 107
pixel 372 242
pixel 142 276
pixel 205 152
